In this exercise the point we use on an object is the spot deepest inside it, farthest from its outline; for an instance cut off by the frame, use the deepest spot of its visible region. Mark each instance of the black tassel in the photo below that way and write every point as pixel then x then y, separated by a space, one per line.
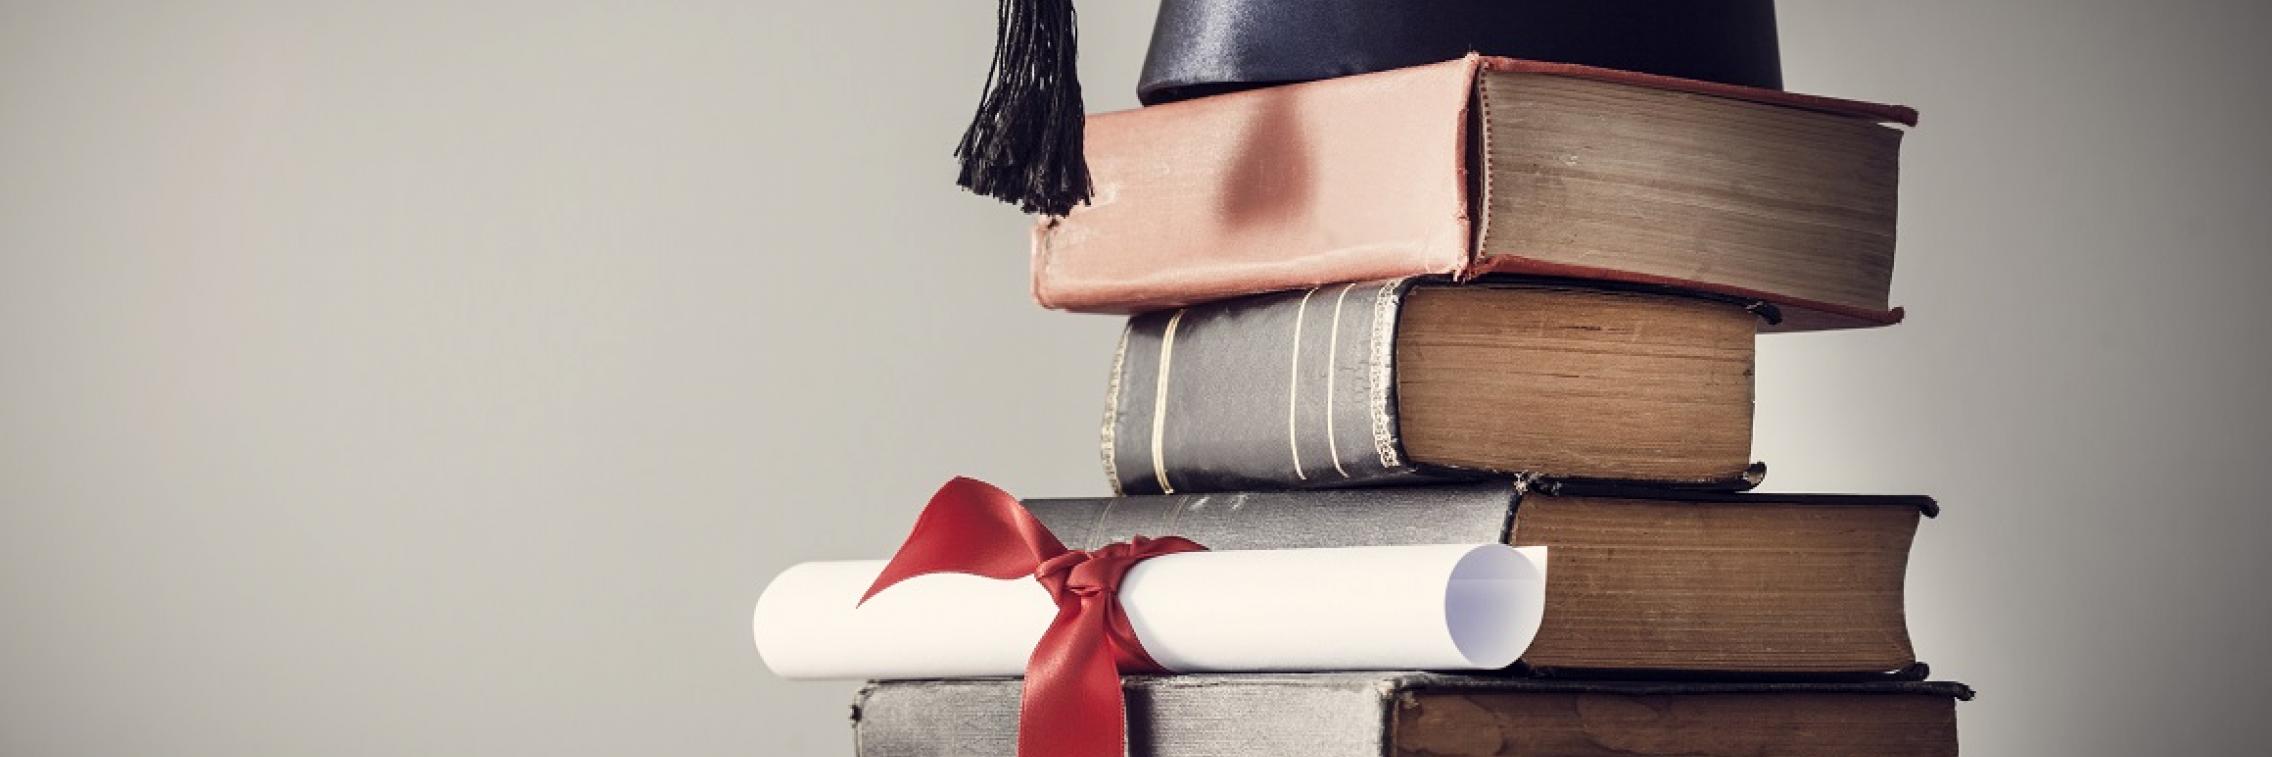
pixel 1024 145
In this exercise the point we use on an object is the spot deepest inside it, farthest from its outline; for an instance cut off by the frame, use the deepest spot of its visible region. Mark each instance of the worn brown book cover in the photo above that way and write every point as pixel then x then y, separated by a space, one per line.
pixel 1641 582
pixel 1431 715
pixel 1485 165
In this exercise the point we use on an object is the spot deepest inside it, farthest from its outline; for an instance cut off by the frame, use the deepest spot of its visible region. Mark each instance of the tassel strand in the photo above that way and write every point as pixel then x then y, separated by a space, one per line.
pixel 1023 145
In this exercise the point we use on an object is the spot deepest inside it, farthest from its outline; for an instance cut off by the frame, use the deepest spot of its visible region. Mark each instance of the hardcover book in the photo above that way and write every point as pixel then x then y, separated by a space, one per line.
pixel 1487 165
pixel 1640 583
pixel 1429 715
pixel 1364 384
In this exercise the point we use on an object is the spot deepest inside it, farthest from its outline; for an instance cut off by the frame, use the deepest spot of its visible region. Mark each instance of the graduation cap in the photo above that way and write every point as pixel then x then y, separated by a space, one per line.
pixel 1024 144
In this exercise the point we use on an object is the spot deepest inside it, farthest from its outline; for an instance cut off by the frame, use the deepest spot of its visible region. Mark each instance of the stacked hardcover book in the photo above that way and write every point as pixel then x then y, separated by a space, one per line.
pixel 1489 301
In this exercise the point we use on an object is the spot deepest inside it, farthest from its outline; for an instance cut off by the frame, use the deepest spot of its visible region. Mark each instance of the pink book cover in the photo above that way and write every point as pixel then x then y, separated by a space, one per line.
pixel 1350 179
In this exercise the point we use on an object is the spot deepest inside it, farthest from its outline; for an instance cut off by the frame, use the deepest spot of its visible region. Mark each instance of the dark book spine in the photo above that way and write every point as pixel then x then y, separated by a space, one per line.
pixel 1459 513
pixel 1293 390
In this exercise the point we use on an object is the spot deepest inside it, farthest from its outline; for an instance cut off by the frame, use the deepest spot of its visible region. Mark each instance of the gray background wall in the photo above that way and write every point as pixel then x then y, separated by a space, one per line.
pixel 447 378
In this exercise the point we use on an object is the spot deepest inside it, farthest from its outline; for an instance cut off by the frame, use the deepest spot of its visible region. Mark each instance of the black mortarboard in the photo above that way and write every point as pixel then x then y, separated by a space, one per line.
pixel 1201 47
pixel 1024 145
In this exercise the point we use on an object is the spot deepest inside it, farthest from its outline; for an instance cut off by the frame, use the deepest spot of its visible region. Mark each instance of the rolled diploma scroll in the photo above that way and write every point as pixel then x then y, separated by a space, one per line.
pixel 1430 607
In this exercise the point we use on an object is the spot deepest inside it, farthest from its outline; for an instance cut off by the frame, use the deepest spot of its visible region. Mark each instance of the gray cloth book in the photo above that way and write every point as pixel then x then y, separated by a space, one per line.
pixel 1416 380
pixel 1415 714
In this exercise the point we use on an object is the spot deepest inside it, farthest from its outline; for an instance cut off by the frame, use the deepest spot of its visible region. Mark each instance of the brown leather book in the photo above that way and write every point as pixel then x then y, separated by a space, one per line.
pixel 1641 583
pixel 1487 165
pixel 1432 715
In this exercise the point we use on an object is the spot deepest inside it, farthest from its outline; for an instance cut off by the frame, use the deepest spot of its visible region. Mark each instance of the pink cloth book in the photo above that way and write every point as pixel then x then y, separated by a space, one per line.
pixel 1349 179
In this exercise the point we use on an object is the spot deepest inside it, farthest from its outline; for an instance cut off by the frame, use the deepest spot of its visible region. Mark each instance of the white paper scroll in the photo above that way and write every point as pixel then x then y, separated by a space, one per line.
pixel 1432 607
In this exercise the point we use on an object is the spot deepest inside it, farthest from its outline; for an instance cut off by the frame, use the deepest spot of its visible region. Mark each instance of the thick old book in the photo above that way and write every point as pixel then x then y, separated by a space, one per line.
pixel 1366 384
pixel 1487 165
pixel 1640 583
pixel 1428 715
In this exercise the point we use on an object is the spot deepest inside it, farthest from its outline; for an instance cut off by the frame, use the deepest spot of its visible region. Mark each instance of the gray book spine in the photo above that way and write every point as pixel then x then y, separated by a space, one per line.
pixel 1462 513
pixel 1176 716
pixel 1275 391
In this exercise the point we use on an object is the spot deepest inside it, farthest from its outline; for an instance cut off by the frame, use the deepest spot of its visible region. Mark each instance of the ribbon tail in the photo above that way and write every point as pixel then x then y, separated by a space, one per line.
pixel 1072 704
pixel 970 526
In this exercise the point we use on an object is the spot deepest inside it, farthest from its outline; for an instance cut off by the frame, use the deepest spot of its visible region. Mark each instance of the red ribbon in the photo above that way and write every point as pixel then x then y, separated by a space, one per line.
pixel 1072 704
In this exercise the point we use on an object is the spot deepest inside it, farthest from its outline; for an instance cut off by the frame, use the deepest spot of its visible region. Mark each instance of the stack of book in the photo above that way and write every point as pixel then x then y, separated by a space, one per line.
pixel 1481 301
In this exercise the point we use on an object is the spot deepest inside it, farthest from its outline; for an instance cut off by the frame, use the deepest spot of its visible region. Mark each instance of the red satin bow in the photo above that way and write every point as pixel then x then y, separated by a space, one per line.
pixel 1072 705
